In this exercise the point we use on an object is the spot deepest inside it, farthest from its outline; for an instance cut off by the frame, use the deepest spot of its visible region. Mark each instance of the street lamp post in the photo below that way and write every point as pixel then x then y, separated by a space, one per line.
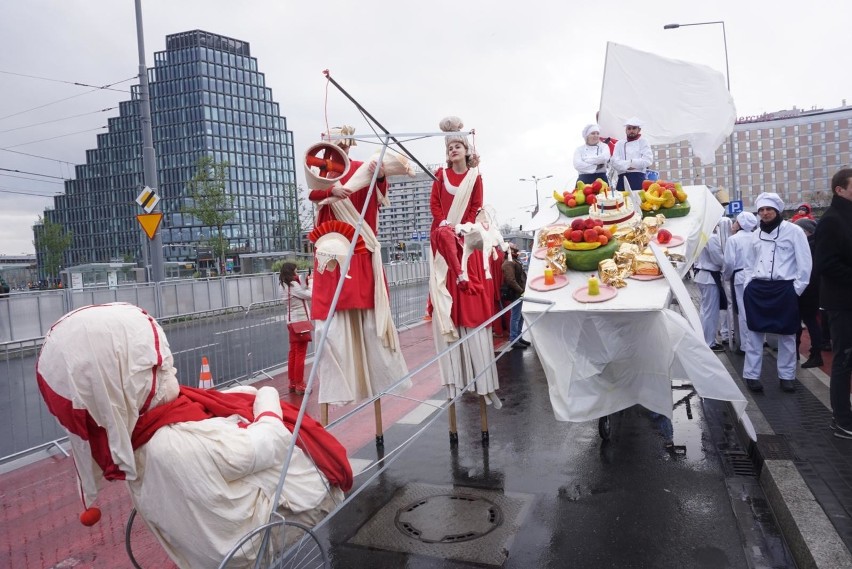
pixel 734 185
pixel 536 180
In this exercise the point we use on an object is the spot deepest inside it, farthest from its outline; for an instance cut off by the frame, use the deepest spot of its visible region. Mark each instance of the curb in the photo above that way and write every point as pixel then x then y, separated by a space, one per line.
pixel 810 535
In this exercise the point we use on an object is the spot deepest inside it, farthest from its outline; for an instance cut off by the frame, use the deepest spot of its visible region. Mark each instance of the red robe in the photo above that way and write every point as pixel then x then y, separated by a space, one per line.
pixel 358 290
pixel 468 310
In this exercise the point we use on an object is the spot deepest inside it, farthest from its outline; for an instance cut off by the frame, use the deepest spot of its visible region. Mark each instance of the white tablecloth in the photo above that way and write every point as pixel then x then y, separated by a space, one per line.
pixel 600 358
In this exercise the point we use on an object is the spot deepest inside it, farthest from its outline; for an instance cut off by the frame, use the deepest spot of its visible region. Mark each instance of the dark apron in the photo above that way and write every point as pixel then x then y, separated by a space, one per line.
pixel 634 178
pixel 734 291
pixel 771 307
pixel 723 298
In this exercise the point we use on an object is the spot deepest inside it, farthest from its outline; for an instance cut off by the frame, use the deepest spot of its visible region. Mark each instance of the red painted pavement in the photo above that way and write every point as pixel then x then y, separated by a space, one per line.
pixel 39 504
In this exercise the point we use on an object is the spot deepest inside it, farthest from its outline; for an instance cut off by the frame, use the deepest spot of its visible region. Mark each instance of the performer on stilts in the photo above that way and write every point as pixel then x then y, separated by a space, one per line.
pixel 362 356
pixel 459 306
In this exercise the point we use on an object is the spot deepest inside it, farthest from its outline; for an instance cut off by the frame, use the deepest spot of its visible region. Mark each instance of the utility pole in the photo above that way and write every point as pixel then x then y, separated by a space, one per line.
pixel 149 158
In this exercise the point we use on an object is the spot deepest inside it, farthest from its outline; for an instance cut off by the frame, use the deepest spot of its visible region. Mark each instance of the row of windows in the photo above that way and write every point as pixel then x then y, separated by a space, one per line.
pixel 251 147
pixel 176 118
pixel 212 79
pixel 260 134
pixel 235 102
pixel 811 127
pixel 265 120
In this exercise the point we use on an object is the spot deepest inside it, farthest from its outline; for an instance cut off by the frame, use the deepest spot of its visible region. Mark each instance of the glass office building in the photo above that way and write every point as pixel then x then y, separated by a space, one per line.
pixel 207 98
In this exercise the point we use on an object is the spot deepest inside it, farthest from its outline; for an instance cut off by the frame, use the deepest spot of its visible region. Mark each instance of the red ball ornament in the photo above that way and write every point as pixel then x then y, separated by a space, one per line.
pixel 90 517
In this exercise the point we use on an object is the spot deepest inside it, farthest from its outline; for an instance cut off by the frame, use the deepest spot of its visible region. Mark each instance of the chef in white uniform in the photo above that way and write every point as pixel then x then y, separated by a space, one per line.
pixel 735 258
pixel 709 281
pixel 632 156
pixel 777 270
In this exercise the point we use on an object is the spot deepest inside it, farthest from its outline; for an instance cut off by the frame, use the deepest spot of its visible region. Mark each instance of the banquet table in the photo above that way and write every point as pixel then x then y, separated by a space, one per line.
pixel 602 357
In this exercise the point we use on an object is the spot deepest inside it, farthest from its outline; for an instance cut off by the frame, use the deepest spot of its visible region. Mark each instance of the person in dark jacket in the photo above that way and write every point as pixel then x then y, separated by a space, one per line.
pixel 809 304
pixel 834 264
pixel 514 283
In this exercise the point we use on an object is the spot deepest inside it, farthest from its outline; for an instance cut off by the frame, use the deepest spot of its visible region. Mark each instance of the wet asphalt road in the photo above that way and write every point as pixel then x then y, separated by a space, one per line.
pixel 626 503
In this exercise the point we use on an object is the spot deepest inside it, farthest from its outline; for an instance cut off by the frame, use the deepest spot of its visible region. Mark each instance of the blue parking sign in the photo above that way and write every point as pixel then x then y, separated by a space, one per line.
pixel 734 207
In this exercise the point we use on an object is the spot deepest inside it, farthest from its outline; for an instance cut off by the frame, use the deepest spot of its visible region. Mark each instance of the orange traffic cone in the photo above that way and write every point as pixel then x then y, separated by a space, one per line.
pixel 205 378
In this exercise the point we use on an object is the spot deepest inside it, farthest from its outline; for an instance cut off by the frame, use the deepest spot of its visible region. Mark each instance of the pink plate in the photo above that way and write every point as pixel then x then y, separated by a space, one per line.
pixel 538 283
pixel 607 292
pixel 540 253
pixel 676 240
pixel 646 277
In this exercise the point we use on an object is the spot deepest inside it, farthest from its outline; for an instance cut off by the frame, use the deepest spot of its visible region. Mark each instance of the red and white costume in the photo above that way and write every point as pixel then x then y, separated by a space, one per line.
pixel 202 466
pixel 362 356
pixel 456 198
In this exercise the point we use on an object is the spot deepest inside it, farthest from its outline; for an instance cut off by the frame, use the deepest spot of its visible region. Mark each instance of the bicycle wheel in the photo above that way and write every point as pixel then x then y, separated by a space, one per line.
pixel 278 545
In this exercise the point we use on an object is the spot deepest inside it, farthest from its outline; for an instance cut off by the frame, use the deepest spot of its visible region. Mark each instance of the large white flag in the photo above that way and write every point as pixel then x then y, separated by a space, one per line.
pixel 676 100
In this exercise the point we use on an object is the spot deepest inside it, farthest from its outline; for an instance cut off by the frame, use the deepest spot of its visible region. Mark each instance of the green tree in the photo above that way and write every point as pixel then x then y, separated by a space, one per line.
pixel 212 205
pixel 53 240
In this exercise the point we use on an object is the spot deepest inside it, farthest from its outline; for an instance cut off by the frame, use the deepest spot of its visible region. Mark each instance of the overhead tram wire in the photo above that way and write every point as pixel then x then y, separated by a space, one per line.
pixel 5 190
pixel 57 120
pixel 33 174
pixel 77 83
pixel 54 137
pixel 67 98
pixel 31 179
pixel 37 156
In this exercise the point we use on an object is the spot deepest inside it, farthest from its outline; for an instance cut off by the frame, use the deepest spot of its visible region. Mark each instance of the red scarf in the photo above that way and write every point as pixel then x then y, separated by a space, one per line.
pixel 194 404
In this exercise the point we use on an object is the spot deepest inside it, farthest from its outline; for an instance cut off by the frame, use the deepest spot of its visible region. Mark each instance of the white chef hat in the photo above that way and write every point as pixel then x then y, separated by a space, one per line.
pixel 769 199
pixel 747 221
pixel 590 128
pixel 633 121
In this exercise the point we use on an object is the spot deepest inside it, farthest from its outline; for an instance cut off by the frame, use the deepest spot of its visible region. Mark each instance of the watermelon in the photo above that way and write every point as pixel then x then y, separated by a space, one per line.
pixel 575 211
pixel 677 210
pixel 588 260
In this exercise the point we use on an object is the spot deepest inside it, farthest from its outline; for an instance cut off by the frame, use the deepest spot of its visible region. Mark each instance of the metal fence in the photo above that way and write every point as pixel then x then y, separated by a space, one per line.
pixel 240 342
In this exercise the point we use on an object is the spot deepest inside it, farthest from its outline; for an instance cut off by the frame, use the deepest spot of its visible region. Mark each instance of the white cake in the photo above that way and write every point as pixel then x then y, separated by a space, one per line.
pixel 611 208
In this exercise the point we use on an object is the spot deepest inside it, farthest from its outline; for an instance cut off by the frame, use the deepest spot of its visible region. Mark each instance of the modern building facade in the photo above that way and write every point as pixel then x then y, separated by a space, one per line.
pixel 407 219
pixel 793 153
pixel 207 99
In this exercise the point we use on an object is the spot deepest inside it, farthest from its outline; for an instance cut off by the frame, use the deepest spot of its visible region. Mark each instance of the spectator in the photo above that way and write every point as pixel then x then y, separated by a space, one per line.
pixel 592 157
pixel 735 258
pixel 296 296
pixel 777 270
pixel 514 283
pixel 809 304
pixel 496 267
pixel 802 212
pixel 834 265
pixel 709 280
pixel 632 157
pixel 726 323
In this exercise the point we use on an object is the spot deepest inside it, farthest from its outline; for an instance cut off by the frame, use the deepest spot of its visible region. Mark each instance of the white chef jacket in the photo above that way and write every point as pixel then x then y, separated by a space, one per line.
pixel 710 259
pixel 735 256
pixel 591 159
pixel 636 154
pixel 781 255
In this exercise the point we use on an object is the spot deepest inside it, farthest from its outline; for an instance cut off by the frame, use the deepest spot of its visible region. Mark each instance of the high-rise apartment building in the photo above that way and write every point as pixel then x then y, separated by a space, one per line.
pixel 408 218
pixel 793 153
pixel 207 99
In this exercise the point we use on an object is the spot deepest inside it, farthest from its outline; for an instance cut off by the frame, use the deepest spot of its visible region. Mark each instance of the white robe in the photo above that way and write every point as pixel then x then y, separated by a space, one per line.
pixel 635 154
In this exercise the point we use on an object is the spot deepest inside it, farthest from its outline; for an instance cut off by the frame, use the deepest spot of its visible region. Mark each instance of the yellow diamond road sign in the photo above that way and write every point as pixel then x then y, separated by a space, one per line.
pixel 148 199
pixel 150 222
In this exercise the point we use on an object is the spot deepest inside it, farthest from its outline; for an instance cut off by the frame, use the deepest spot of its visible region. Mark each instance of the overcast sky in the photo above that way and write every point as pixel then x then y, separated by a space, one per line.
pixel 525 75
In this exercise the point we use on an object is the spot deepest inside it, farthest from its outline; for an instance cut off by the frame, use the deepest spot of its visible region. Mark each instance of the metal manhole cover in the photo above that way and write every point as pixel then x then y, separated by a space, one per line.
pixel 448 518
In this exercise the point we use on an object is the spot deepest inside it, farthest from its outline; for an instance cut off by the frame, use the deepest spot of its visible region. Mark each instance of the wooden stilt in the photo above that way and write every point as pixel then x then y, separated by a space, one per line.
pixel 454 431
pixel 324 414
pixel 483 418
pixel 380 434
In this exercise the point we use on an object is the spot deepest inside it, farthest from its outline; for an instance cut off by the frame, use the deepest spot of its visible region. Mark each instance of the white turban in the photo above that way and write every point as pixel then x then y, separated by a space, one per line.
pixel 747 221
pixel 344 130
pixel 454 125
pixel 633 121
pixel 590 128
pixel 769 199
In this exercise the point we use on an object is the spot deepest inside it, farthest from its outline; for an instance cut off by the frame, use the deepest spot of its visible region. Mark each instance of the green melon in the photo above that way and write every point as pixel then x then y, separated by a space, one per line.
pixel 575 211
pixel 677 210
pixel 588 260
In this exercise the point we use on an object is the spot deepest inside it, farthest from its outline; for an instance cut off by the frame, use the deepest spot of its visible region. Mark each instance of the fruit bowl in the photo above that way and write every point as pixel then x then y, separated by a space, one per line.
pixel 677 210
pixel 588 260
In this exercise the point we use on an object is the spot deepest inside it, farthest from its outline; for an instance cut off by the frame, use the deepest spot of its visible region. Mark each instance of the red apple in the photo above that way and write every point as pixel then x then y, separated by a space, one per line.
pixel 577 224
pixel 664 236
pixel 588 223
pixel 603 238
pixel 646 184
pixel 590 236
pixel 599 222
pixel 597 185
pixel 591 198
pixel 577 236
pixel 571 203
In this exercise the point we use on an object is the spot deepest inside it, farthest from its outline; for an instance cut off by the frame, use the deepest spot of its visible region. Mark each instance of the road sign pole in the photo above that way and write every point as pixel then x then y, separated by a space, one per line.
pixel 149 157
